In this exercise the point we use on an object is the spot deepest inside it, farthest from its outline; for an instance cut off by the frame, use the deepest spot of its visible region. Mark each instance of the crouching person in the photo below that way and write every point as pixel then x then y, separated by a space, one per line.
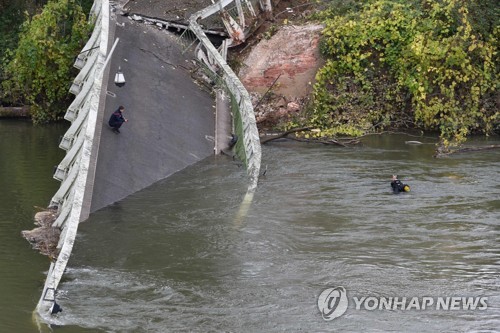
pixel 116 120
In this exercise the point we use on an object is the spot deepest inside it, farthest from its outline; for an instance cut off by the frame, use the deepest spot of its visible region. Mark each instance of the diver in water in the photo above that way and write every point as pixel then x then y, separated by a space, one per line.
pixel 398 186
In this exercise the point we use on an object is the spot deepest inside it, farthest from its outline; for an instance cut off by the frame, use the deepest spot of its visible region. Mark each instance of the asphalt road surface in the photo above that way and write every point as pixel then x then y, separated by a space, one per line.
pixel 170 118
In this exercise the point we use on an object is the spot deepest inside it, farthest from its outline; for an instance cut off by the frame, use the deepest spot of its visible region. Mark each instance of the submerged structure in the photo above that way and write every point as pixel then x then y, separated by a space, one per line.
pixel 173 122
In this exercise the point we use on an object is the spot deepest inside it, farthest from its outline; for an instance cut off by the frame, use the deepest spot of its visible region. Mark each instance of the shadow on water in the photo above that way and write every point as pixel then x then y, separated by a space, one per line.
pixel 176 258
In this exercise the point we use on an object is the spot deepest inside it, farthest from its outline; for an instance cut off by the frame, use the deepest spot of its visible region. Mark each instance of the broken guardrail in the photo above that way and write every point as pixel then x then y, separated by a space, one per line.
pixel 248 146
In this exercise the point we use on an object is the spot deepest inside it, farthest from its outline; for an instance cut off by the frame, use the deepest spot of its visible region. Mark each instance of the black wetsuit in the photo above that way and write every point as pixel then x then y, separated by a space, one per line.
pixel 397 186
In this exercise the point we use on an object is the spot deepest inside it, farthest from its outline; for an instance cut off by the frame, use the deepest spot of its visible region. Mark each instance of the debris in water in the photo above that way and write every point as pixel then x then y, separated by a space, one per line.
pixel 45 237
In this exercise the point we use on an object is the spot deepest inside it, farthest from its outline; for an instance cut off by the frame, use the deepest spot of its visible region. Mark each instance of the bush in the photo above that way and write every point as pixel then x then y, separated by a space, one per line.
pixel 40 70
pixel 393 59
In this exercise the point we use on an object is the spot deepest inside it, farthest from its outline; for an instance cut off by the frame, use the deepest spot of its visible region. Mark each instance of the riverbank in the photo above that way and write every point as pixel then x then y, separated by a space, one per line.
pixel 15 112
pixel 278 66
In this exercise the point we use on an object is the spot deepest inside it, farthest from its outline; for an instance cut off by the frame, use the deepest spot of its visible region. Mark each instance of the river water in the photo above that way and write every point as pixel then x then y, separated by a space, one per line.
pixel 177 257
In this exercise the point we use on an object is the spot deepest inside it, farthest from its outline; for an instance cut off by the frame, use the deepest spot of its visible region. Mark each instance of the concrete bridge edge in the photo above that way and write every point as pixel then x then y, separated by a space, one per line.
pixel 89 188
pixel 80 181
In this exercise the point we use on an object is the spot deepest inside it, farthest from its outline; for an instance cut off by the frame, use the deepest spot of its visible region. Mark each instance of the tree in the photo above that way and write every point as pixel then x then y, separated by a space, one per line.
pixel 395 59
pixel 40 70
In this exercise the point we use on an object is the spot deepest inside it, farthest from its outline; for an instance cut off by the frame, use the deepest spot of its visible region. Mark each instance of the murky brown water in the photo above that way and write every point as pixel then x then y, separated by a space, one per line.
pixel 174 257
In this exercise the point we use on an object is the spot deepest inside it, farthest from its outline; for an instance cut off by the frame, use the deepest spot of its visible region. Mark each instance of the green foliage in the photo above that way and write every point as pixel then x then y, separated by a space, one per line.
pixel 340 8
pixel 10 22
pixel 394 59
pixel 484 16
pixel 40 70
pixel 270 32
pixel 12 15
pixel 449 70
pixel 86 5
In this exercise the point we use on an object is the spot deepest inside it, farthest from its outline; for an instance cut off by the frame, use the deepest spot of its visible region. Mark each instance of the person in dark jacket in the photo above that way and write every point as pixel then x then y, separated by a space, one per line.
pixel 398 186
pixel 116 120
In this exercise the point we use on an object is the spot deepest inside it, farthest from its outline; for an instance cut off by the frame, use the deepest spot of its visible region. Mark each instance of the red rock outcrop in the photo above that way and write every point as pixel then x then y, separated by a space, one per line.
pixel 293 53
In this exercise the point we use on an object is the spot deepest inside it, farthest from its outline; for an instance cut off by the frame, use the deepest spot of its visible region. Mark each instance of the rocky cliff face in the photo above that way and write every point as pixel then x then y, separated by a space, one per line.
pixel 290 57
pixel 293 53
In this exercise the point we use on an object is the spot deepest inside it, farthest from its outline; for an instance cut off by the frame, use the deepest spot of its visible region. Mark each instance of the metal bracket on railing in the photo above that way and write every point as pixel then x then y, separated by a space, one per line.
pixel 53 295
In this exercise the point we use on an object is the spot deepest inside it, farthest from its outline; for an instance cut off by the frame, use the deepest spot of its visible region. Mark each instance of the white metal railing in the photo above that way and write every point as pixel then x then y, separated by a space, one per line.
pixel 67 162
pixel 75 129
pixel 82 96
pixel 251 141
pixel 79 140
pixel 73 170
pixel 88 49
pixel 85 72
